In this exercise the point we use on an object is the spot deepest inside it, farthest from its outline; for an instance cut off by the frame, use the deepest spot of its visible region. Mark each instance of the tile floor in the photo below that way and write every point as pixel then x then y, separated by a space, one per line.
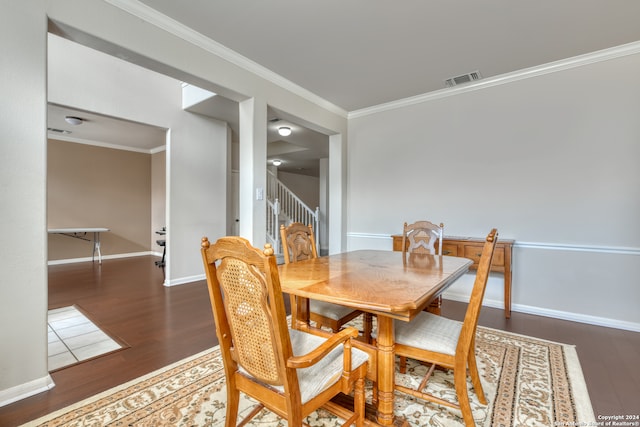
pixel 74 338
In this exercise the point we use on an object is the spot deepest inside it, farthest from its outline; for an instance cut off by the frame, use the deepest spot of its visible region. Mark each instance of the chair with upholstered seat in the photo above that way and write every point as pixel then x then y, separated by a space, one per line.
pixel 449 343
pixel 421 237
pixel 298 244
pixel 290 372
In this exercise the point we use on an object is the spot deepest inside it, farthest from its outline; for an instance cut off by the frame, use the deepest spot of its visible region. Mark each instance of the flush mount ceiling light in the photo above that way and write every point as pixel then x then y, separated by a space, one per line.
pixel 277 162
pixel 284 130
pixel 72 120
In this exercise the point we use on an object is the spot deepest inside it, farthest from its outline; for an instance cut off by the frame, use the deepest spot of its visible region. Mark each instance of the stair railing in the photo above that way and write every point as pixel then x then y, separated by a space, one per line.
pixel 273 224
pixel 290 208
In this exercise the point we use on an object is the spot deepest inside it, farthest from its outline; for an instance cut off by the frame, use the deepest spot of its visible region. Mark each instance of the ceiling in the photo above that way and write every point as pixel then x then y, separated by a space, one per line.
pixel 362 53
pixel 103 130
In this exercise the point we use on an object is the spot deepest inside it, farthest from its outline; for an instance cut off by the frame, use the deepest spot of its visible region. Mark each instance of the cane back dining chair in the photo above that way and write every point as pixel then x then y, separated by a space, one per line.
pixel 420 238
pixel 448 343
pixel 290 372
pixel 298 244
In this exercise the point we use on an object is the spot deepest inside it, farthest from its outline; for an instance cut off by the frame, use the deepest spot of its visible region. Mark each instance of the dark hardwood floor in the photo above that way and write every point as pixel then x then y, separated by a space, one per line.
pixel 163 325
pixel 126 298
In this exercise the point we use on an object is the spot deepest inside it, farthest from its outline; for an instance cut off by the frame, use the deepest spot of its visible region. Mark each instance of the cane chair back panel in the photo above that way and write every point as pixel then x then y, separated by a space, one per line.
pixel 246 301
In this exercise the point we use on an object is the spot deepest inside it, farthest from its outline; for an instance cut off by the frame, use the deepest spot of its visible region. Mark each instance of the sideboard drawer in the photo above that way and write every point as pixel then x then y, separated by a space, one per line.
pixel 474 252
pixel 449 249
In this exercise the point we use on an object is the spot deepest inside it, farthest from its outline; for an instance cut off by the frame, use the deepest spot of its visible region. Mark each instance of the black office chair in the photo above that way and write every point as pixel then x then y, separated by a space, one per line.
pixel 163 243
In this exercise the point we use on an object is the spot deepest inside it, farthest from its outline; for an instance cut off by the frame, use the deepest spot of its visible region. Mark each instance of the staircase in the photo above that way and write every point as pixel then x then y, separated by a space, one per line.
pixel 283 208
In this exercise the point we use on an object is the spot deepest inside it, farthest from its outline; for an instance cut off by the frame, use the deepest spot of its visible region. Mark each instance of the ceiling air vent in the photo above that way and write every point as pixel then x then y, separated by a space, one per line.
pixel 464 78
pixel 66 132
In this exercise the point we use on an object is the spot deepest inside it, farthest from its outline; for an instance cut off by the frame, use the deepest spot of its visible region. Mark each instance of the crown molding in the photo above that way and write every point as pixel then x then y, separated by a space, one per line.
pixel 152 16
pixel 526 73
pixel 51 135
pixel 157 150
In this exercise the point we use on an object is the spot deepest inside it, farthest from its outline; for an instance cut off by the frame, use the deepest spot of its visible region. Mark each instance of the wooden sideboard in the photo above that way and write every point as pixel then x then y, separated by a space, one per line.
pixel 471 247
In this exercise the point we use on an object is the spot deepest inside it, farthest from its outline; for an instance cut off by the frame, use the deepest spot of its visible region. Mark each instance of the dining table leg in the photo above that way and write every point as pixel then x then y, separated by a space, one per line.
pixel 386 370
pixel 300 313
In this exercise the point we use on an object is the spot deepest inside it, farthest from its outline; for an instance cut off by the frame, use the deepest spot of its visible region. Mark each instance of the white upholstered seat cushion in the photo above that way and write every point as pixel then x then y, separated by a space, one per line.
pixel 329 310
pixel 326 372
pixel 429 332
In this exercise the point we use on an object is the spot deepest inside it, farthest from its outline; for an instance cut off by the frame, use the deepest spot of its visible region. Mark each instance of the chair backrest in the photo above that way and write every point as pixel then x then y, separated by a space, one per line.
pixel 249 310
pixel 422 261
pixel 298 242
pixel 470 322
pixel 421 237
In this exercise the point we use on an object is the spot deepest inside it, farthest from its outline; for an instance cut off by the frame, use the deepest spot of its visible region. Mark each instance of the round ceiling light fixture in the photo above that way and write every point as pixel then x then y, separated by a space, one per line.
pixel 276 162
pixel 73 120
pixel 284 130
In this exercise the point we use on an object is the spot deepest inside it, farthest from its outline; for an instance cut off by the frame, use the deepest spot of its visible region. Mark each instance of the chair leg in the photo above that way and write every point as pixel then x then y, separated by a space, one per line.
pixel 374 393
pixel 367 327
pixel 292 304
pixel 403 364
pixel 295 420
pixel 475 377
pixel 358 401
pixel 233 400
pixel 460 381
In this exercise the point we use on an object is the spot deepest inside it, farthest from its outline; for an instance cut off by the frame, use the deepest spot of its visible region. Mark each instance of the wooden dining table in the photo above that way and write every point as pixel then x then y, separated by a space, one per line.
pixel 391 285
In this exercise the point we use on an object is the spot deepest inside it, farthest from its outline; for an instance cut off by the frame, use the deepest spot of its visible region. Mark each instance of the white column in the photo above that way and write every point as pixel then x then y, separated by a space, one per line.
pixel 324 205
pixel 337 195
pixel 253 170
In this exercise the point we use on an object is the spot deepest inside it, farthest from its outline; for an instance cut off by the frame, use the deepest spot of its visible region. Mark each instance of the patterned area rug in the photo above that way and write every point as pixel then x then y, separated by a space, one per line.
pixel 528 382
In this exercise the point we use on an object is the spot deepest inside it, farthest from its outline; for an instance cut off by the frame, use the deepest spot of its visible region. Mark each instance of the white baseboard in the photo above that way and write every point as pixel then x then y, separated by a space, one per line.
pixel 104 257
pixel 25 390
pixel 556 314
pixel 185 280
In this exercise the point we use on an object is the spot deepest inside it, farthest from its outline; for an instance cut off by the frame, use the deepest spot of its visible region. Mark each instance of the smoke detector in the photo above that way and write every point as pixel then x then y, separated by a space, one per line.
pixel 461 79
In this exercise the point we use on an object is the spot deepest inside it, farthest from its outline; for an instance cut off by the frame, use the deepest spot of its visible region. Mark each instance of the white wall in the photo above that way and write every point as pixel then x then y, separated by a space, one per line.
pixel 197 193
pixel 551 161
pixel 23 245
pixel 158 197
pixel 196 161
pixel 144 37
pixel 307 188
pixel 163 46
